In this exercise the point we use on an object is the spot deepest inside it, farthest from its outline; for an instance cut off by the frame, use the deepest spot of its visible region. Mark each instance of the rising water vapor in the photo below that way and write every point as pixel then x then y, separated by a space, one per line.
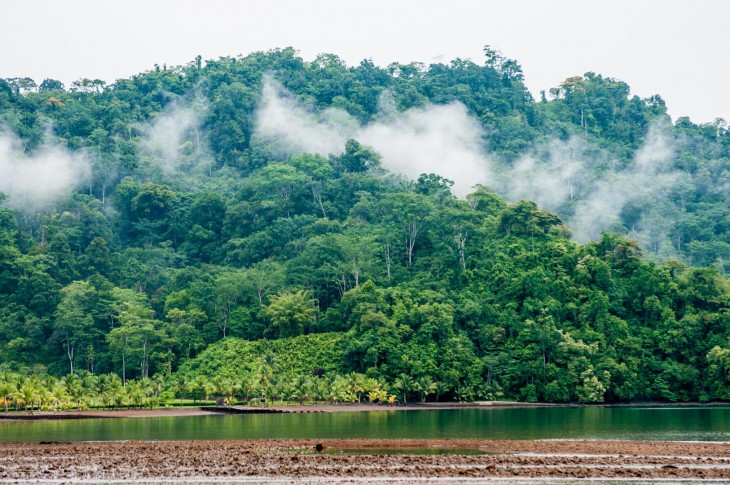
pixel 173 135
pixel 550 175
pixel 589 188
pixel 35 181
pixel 295 128
pixel 649 177
pixel 441 139
pixel 586 185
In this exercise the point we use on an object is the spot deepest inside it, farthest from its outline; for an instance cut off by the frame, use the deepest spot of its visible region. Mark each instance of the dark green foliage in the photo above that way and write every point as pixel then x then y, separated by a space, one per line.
pixel 347 269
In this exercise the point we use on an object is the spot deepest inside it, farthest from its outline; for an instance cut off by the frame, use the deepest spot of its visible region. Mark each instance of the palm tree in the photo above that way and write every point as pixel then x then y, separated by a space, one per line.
pixel 90 382
pixel 103 383
pixel 321 389
pixel 222 386
pixel 60 396
pixel 301 389
pixel 181 384
pixel 441 388
pixel 248 388
pixel 158 384
pixel 26 395
pixel 112 390
pixel 370 384
pixel 6 392
pixel 355 385
pixel 404 383
pixel 264 376
pixel 338 390
pixel 269 359
pixel 229 389
pixel 377 395
pixel 309 388
pixel 425 386
pixel 288 391
pixel 155 387
pixel 464 392
pixel 136 392
pixel 74 388
pixel 45 398
pixel 200 386
pixel 147 386
pixel 119 394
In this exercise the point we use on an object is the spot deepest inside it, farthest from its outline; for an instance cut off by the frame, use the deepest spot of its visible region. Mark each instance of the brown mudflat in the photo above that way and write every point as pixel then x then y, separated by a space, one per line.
pixel 274 460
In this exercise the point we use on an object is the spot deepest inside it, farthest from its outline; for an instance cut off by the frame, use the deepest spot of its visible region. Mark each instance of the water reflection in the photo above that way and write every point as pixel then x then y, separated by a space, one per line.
pixel 701 424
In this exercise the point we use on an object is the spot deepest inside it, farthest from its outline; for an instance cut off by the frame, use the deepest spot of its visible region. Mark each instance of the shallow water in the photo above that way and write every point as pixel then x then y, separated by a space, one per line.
pixel 406 451
pixel 625 423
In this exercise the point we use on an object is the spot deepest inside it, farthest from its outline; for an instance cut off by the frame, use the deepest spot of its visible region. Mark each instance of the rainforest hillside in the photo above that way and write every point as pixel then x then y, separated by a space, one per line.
pixel 433 223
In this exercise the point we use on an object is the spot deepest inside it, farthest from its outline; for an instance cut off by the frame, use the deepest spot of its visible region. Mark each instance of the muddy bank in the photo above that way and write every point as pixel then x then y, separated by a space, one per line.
pixel 102 413
pixel 268 460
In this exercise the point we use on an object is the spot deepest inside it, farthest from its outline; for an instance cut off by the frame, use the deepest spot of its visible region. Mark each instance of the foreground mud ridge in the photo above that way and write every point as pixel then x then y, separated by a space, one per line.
pixel 406 460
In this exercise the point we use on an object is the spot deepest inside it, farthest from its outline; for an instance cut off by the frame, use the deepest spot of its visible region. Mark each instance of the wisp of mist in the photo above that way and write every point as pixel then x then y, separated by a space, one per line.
pixel 441 139
pixel 35 181
pixel 559 175
pixel 163 137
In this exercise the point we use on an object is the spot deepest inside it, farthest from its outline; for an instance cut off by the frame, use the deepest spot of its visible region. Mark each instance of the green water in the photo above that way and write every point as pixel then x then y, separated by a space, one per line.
pixel 639 423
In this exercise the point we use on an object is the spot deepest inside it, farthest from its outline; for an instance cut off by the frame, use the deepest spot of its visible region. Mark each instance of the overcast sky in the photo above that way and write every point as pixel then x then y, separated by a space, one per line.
pixel 678 49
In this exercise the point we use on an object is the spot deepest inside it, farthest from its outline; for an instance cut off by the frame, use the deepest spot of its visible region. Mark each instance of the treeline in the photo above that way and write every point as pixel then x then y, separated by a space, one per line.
pixel 151 273
pixel 262 388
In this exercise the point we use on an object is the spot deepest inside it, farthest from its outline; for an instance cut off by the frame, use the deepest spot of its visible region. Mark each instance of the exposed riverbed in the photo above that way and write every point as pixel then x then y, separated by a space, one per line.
pixel 276 460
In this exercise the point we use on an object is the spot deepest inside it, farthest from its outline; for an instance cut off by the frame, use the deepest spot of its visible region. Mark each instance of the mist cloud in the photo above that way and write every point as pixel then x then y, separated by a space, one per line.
pixel 647 179
pixel 550 176
pixel 583 183
pixel 294 128
pixel 440 139
pixel 37 180
pixel 172 136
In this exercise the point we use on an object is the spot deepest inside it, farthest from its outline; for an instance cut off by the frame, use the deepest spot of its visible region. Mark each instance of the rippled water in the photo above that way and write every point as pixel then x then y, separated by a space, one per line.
pixel 639 423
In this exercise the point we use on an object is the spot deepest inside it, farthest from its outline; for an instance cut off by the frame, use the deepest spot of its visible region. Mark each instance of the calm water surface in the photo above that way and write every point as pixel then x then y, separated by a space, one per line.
pixel 639 423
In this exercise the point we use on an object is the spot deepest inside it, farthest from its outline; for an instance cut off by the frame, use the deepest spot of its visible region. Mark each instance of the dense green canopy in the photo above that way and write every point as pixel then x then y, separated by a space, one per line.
pixel 191 236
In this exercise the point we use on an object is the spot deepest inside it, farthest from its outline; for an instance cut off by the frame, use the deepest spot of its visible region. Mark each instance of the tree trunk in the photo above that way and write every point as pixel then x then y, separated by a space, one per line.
pixel 461 245
pixel 144 359
pixel 70 353
pixel 386 250
pixel 317 193
pixel 413 229
pixel 356 271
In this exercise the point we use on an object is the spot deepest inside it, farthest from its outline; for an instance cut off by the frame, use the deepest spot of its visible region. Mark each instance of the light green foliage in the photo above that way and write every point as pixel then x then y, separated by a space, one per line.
pixel 291 313
pixel 718 359
pixel 294 356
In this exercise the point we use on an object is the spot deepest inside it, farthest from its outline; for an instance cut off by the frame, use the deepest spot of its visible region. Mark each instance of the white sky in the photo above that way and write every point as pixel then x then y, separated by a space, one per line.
pixel 678 49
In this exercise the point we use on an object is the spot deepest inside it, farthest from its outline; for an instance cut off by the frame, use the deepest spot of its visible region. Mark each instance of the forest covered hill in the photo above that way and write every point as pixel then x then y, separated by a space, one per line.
pixel 433 223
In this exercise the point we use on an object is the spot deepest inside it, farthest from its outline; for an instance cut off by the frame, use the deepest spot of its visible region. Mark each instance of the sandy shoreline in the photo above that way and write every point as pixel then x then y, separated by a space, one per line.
pixel 342 460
